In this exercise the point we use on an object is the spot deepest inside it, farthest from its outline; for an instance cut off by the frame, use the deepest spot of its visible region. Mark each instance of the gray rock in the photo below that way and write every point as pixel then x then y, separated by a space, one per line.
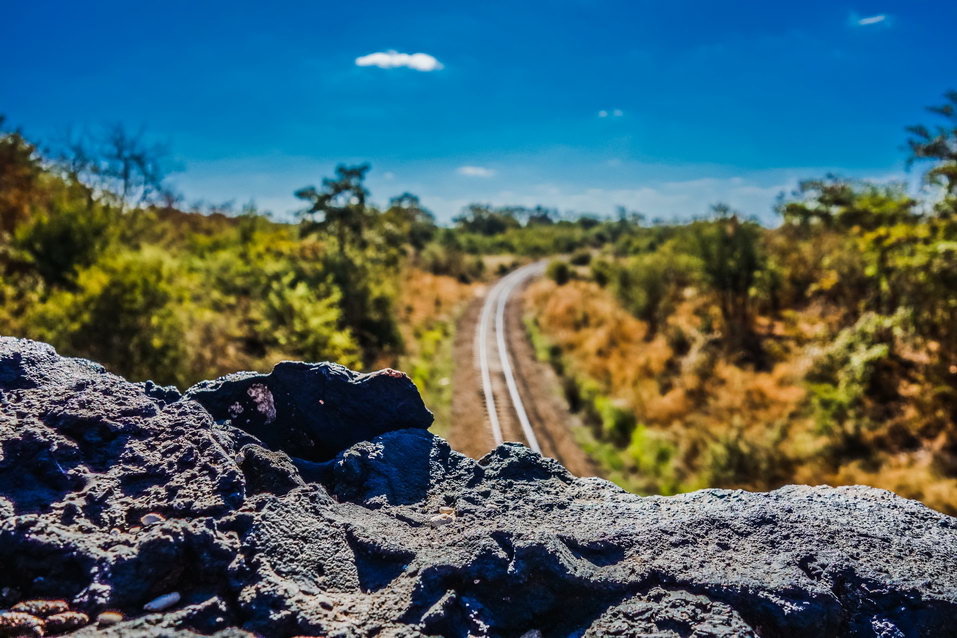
pixel 259 542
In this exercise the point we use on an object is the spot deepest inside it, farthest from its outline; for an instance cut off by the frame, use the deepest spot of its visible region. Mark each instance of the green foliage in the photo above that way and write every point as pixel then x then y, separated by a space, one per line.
pixel 432 368
pixel 853 371
pixel 558 271
pixel 129 313
pixel 153 292
pixel 730 252
pixel 734 458
pixel 304 318
pixel 648 285
pixel 654 456
pixel 602 272
pixel 445 256
pixel 486 220
pixel 66 236
pixel 406 220
pixel 844 204
pixel 339 208
pixel 20 171
pixel 581 257
pixel 939 145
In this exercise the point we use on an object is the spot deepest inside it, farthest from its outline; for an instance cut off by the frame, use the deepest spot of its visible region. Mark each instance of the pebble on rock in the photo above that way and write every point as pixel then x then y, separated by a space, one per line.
pixel 108 618
pixel 162 602
pixel 152 518
pixel 441 520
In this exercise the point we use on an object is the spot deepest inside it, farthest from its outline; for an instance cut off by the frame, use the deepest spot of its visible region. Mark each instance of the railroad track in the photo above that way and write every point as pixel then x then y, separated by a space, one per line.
pixel 507 416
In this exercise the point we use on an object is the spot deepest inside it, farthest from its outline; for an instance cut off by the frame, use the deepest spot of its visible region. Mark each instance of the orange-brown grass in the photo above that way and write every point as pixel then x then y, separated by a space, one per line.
pixel 703 420
pixel 424 298
pixel 428 306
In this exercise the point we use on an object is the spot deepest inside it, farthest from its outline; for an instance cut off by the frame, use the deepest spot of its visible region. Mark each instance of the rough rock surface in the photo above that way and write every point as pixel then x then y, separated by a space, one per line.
pixel 314 411
pixel 258 541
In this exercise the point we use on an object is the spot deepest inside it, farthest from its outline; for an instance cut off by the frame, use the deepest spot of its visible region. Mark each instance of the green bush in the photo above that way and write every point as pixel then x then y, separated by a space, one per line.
pixel 129 313
pixel 558 271
pixel 65 237
pixel 580 258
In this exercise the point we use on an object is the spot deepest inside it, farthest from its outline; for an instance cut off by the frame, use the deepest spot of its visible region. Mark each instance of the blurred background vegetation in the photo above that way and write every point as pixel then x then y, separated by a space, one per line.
pixel 98 259
pixel 710 353
pixel 721 353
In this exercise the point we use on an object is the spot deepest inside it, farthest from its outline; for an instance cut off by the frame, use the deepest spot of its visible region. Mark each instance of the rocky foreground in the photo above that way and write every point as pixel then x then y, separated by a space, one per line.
pixel 313 501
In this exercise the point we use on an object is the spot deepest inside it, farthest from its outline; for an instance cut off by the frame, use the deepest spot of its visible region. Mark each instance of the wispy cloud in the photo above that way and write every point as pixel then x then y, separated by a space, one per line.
pixel 394 60
pixel 867 21
pixel 610 113
pixel 475 171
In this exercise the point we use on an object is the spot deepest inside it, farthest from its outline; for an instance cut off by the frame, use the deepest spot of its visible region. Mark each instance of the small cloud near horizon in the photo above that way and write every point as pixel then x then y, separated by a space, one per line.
pixel 394 60
pixel 869 20
pixel 610 113
pixel 475 171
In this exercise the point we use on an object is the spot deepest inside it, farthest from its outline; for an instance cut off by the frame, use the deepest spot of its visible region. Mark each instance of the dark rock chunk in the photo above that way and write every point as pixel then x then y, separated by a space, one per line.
pixel 314 411
pixel 161 393
pixel 268 471
pixel 670 614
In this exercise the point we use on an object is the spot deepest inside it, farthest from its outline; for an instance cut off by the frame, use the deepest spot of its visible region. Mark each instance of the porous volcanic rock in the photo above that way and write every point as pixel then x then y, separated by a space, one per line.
pixel 259 542
pixel 314 411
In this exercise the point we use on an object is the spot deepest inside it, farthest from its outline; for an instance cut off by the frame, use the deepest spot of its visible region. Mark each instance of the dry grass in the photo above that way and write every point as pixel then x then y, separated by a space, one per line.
pixel 708 421
pixel 429 306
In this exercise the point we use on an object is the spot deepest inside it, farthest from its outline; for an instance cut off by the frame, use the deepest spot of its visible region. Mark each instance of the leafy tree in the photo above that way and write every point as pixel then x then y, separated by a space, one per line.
pixel 127 314
pixel 120 166
pixel 730 253
pixel 339 207
pixel 406 220
pixel 939 144
pixel 843 204
pixel 486 220
pixel 20 170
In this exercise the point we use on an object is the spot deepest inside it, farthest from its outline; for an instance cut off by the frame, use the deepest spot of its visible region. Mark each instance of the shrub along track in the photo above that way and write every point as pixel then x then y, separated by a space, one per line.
pixel 532 386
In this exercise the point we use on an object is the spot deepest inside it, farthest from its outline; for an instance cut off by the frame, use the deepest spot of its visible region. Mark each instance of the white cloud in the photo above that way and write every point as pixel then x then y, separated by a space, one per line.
pixel 872 20
pixel 394 59
pixel 475 171
pixel 611 113
pixel 603 113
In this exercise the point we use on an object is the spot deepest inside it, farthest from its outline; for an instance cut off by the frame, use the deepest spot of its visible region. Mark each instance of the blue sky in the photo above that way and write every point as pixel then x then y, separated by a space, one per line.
pixel 664 107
